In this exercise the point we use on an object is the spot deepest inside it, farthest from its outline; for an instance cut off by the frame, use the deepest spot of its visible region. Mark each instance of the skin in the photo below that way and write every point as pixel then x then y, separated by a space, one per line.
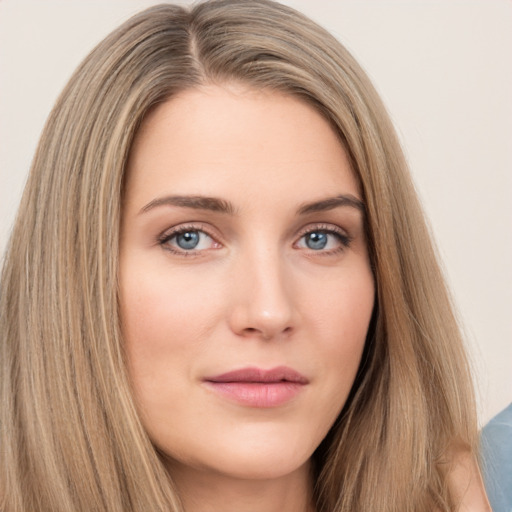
pixel 256 290
pixel 465 481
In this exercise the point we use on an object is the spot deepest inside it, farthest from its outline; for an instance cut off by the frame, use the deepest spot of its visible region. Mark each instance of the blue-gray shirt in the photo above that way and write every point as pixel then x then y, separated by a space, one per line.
pixel 496 446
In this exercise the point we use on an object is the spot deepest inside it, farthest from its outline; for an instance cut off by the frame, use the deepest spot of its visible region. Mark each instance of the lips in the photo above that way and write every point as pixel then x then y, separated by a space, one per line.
pixel 255 387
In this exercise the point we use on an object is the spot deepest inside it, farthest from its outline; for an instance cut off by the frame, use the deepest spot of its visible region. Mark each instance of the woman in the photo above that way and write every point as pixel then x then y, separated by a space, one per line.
pixel 220 293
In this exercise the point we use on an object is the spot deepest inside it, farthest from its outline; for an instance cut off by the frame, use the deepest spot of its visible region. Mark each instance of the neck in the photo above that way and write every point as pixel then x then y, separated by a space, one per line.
pixel 208 491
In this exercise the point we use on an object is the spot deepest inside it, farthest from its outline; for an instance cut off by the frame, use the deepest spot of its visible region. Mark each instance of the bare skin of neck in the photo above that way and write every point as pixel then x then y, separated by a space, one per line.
pixel 205 491
pixel 465 482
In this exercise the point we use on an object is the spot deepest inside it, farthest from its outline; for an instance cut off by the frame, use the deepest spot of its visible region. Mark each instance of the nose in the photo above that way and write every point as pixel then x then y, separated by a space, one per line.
pixel 262 302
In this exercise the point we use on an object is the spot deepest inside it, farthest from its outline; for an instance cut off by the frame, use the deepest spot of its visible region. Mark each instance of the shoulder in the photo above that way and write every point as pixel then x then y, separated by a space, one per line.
pixel 496 449
pixel 500 425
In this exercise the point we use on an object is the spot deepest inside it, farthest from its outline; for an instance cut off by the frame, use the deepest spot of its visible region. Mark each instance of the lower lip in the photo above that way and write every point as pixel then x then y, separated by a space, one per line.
pixel 258 394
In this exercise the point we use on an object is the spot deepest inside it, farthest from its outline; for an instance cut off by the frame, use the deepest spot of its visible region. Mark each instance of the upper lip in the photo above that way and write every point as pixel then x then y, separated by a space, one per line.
pixel 253 374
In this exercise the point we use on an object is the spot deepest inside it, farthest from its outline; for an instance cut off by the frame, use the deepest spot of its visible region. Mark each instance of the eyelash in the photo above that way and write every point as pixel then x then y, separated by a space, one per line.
pixel 175 232
pixel 329 229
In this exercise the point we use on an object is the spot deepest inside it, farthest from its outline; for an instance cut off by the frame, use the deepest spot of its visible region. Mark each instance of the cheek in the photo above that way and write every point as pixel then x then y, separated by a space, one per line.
pixel 162 343
pixel 341 314
pixel 157 306
pixel 342 307
pixel 160 335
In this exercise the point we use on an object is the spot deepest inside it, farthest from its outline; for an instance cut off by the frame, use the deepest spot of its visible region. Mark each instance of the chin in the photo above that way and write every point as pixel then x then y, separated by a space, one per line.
pixel 246 457
pixel 258 466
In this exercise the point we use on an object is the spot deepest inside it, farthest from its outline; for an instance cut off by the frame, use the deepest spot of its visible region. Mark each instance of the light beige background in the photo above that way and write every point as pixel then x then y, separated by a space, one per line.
pixel 444 70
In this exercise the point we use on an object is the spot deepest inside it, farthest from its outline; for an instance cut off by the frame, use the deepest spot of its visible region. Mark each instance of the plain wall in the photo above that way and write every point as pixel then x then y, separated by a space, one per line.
pixel 444 70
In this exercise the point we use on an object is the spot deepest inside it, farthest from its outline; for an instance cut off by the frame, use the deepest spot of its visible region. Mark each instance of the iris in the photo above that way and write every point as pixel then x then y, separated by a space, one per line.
pixel 188 240
pixel 316 240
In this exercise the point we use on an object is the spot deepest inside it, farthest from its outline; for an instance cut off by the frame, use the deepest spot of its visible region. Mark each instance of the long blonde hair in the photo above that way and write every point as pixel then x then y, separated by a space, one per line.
pixel 71 438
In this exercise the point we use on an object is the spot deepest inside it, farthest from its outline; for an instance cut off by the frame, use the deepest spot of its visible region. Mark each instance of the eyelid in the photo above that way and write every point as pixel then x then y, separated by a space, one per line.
pixel 323 226
pixel 344 238
pixel 320 226
pixel 174 231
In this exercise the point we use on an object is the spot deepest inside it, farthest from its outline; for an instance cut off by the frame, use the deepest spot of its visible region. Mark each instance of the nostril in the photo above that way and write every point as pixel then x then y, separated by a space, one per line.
pixel 267 334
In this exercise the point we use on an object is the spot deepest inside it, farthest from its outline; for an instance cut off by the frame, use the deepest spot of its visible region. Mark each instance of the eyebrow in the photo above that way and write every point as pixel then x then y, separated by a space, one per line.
pixel 212 204
pixel 215 204
pixel 331 203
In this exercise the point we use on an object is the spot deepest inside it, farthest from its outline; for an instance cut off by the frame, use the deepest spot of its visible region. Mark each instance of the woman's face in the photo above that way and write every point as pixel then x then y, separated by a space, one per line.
pixel 245 286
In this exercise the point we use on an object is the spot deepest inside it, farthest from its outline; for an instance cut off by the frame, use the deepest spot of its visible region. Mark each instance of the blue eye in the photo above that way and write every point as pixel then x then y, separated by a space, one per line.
pixel 325 240
pixel 188 240
pixel 316 240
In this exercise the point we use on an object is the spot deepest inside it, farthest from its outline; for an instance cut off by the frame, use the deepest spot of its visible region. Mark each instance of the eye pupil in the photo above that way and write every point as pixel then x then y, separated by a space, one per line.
pixel 187 240
pixel 316 240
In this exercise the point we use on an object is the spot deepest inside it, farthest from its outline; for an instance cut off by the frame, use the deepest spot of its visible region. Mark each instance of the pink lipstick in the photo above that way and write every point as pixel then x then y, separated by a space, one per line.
pixel 255 387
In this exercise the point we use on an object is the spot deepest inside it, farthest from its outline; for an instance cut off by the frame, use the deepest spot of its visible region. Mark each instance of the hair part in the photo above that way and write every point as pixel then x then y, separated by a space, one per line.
pixel 70 434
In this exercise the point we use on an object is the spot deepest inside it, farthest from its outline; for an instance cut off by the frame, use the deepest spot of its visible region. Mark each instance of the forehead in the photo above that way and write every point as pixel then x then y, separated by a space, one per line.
pixel 230 139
